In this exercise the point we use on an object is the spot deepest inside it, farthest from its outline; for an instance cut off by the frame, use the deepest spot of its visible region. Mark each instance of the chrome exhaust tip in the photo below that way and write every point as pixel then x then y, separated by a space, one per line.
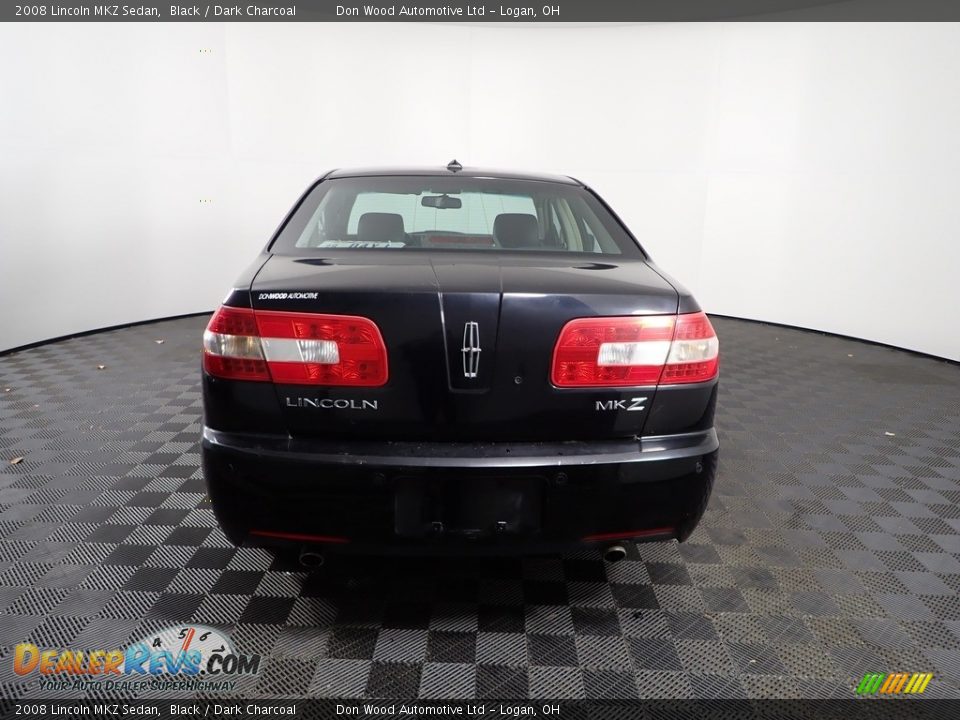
pixel 310 559
pixel 614 553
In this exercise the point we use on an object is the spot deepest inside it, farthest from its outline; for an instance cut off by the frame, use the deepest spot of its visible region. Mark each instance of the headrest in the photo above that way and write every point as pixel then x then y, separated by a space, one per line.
pixel 380 227
pixel 516 230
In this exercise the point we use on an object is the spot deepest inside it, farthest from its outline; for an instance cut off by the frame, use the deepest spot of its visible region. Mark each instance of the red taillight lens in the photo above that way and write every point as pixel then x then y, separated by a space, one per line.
pixel 295 348
pixel 308 349
pixel 630 351
pixel 694 353
pixel 231 348
pixel 606 352
pixel 233 321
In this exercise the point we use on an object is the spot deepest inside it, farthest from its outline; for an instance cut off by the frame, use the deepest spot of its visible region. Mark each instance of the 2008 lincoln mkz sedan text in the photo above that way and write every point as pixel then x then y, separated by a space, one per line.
pixel 455 360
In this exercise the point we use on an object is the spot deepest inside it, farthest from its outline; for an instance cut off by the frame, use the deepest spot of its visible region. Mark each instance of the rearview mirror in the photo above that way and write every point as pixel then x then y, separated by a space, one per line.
pixel 441 202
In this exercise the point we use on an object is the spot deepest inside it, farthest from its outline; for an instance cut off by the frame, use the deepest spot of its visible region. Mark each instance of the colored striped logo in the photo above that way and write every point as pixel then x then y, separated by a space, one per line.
pixel 894 683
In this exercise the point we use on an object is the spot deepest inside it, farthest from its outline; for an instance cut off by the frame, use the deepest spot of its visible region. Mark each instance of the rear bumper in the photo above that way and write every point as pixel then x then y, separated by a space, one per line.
pixel 457 497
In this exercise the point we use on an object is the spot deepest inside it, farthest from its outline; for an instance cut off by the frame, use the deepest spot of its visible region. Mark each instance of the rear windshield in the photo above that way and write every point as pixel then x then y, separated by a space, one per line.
pixel 441 213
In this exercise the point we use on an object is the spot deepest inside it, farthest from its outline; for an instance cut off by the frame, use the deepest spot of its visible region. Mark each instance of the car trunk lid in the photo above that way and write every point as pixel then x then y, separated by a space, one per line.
pixel 469 338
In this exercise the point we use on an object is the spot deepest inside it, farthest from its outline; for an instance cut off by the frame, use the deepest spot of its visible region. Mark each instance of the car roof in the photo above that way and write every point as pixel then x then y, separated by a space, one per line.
pixel 443 171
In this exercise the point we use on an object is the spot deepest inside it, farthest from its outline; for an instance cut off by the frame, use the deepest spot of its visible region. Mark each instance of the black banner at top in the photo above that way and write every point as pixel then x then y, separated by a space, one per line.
pixel 479 11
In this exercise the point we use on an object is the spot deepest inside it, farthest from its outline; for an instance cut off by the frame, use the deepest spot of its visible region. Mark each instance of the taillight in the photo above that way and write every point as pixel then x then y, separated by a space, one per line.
pixel 295 348
pixel 635 350
pixel 231 347
pixel 695 352
pixel 308 349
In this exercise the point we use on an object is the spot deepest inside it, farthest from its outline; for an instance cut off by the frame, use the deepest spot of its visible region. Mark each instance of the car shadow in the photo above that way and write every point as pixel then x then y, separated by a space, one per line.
pixel 447 592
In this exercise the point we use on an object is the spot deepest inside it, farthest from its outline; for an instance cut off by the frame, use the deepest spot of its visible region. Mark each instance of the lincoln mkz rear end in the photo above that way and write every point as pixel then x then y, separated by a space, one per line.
pixel 450 362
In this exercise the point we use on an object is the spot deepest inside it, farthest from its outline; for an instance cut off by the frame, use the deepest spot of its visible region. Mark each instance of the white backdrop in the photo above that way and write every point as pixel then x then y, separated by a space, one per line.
pixel 807 174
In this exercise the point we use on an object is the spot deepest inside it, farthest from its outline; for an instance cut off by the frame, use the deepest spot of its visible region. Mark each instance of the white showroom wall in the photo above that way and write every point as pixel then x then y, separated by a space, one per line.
pixel 797 173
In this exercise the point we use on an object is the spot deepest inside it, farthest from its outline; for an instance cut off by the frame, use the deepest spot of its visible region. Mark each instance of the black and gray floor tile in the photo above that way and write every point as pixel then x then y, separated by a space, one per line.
pixel 831 546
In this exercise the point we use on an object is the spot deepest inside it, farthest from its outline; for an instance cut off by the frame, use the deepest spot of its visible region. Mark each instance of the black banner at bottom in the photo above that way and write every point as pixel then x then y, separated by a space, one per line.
pixel 476 11
pixel 894 708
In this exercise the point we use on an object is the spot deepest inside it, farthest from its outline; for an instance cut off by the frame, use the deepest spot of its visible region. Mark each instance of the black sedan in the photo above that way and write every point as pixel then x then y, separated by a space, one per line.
pixel 455 360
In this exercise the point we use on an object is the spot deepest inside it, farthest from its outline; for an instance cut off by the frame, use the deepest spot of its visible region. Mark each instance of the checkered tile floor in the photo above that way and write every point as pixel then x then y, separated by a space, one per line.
pixel 831 546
